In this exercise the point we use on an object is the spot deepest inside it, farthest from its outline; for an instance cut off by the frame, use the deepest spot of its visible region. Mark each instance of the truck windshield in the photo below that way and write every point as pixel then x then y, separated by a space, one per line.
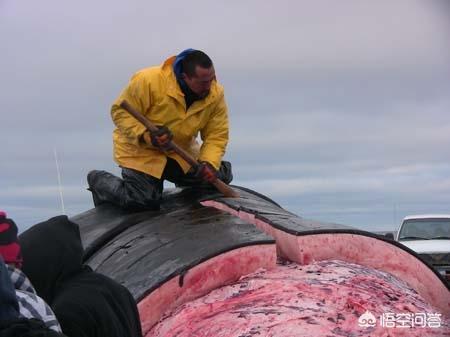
pixel 427 229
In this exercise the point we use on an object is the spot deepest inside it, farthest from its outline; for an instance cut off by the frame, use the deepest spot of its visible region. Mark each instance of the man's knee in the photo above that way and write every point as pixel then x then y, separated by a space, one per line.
pixel 141 191
pixel 135 192
pixel 136 199
pixel 105 187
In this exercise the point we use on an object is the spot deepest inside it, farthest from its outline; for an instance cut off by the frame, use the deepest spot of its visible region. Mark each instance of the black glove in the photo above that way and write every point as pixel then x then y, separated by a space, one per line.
pixel 162 138
pixel 206 172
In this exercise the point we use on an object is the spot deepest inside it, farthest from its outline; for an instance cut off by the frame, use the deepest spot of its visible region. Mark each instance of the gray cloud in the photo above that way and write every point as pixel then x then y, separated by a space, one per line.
pixel 338 111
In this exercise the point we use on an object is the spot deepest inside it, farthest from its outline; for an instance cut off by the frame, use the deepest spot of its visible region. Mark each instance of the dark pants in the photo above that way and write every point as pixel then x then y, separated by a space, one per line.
pixel 139 191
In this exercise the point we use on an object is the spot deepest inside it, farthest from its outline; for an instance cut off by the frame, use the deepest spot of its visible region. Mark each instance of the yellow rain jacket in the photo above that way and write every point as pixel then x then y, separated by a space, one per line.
pixel 156 94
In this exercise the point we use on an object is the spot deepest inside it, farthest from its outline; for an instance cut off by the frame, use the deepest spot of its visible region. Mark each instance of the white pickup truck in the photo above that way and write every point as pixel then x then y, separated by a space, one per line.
pixel 429 236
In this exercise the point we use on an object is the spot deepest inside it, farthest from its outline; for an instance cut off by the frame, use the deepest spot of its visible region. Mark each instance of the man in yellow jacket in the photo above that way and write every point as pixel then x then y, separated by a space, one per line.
pixel 183 98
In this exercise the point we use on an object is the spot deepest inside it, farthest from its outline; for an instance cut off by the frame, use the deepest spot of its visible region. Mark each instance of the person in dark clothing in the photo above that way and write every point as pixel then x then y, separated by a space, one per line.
pixel 91 304
pixel 183 98
pixel 22 312
pixel 86 303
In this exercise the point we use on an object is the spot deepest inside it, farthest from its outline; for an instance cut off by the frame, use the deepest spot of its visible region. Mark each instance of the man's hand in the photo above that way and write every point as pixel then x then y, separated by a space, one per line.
pixel 160 139
pixel 206 172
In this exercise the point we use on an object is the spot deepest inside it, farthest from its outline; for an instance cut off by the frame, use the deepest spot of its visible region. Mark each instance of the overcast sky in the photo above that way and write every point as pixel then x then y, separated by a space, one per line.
pixel 340 110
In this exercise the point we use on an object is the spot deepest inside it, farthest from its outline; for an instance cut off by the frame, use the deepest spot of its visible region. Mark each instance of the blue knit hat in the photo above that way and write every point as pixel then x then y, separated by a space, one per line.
pixel 178 64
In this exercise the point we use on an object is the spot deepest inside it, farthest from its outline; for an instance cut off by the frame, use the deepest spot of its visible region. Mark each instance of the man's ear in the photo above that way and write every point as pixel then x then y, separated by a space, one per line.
pixel 184 76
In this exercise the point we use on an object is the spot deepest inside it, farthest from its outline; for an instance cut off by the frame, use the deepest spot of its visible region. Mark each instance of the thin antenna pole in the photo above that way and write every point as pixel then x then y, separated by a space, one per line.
pixel 395 214
pixel 58 174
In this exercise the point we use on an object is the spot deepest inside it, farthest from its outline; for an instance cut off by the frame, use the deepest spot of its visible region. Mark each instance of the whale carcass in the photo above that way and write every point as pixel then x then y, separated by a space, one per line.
pixel 211 266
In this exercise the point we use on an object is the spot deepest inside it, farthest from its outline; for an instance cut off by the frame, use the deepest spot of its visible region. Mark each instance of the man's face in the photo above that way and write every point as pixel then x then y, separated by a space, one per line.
pixel 200 83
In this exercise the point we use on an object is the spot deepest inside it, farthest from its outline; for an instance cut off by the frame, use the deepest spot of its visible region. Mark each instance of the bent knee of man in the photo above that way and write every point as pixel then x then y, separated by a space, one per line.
pixel 142 199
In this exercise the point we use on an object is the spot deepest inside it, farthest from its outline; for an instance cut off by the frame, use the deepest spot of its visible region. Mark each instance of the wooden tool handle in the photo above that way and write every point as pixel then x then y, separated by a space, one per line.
pixel 225 189
pixel 220 185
